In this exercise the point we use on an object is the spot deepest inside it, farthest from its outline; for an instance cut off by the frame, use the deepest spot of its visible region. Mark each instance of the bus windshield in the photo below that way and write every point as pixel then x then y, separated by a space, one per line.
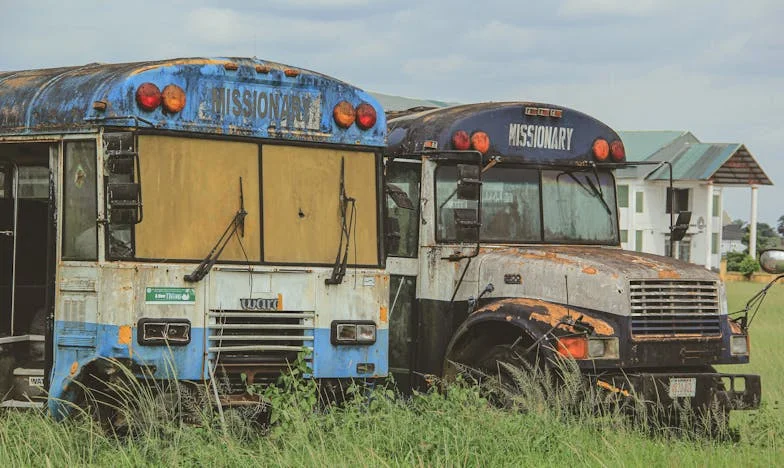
pixel 524 205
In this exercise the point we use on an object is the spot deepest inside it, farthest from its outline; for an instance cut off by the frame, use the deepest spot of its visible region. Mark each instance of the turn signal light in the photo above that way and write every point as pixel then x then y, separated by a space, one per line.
pixel 148 96
pixel 344 114
pixel 460 140
pixel 617 151
pixel 480 142
pixel 601 150
pixel 366 116
pixel 173 98
pixel 575 347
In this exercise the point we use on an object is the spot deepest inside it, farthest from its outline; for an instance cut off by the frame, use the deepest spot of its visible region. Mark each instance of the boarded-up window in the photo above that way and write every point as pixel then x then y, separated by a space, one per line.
pixel 302 216
pixel 191 191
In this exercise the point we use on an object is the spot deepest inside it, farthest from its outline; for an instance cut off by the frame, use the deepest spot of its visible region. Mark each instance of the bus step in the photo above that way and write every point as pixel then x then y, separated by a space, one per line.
pixel 18 404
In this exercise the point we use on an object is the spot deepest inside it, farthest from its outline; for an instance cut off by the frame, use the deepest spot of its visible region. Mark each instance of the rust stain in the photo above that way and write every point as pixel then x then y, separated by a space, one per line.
pixel 548 256
pixel 124 335
pixel 589 270
pixel 280 301
pixel 170 63
pixel 383 314
pixel 74 368
pixel 669 274
pixel 548 313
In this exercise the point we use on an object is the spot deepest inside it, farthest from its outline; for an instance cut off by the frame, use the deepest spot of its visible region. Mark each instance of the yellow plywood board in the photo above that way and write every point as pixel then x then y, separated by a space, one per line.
pixel 302 222
pixel 191 192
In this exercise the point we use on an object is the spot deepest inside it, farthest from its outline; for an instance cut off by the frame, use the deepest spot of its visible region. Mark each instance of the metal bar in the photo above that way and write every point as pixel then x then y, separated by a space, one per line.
pixel 16 226
pixel 228 349
pixel 258 326
pixel 259 338
pixel 261 315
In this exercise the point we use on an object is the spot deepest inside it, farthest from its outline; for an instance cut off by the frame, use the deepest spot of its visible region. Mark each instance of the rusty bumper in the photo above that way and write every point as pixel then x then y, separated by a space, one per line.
pixel 728 391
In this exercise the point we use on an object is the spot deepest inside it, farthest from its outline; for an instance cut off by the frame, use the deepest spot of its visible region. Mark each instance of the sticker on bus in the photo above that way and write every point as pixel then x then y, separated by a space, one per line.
pixel 166 295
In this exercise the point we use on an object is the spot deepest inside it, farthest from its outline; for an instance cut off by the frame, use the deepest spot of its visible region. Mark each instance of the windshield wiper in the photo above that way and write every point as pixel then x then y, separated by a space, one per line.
pixel 237 224
pixel 591 188
pixel 347 225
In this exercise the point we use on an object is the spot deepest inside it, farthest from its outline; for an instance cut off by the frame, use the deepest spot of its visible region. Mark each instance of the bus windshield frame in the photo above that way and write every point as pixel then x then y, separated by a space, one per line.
pixel 519 205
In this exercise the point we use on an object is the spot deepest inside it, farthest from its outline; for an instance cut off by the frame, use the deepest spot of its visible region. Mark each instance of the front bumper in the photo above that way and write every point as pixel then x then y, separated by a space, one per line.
pixel 728 391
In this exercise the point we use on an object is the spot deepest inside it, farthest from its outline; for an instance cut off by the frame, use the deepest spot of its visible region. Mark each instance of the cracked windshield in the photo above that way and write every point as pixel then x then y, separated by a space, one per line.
pixel 578 205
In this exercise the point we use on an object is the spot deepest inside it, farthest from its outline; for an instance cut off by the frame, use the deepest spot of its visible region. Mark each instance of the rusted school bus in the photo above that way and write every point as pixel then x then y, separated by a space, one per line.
pixel 504 246
pixel 198 219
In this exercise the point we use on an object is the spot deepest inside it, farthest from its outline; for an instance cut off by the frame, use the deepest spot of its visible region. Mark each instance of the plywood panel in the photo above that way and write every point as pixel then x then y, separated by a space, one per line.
pixel 191 192
pixel 302 222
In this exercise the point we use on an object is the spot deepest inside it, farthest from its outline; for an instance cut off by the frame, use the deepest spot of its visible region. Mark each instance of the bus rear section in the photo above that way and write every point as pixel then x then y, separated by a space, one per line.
pixel 196 221
pixel 507 248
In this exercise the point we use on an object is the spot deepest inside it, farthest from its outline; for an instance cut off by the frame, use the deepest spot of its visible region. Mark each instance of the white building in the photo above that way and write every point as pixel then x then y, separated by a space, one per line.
pixel 699 171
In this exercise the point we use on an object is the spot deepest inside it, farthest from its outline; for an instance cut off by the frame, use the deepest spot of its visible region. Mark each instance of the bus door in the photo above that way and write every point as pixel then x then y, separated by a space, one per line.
pixel 26 265
pixel 403 185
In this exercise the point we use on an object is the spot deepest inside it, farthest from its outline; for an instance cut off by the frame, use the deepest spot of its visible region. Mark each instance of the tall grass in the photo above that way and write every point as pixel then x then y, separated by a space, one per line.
pixel 375 428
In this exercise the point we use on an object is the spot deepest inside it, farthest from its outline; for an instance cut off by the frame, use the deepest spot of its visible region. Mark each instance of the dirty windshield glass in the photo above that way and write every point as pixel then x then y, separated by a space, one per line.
pixel 579 206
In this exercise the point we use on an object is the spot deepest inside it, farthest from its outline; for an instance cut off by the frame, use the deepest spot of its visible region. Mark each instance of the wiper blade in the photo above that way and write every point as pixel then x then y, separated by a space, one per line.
pixel 591 189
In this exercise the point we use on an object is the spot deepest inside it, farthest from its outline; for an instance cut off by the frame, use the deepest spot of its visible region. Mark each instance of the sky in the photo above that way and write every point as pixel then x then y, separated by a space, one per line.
pixel 712 67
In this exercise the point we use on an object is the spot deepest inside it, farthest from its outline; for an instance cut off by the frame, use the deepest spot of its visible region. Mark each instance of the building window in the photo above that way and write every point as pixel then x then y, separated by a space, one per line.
pixel 638 239
pixel 684 248
pixel 715 243
pixel 681 200
pixel 638 198
pixel 716 207
pixel 623 196
pixel 624 236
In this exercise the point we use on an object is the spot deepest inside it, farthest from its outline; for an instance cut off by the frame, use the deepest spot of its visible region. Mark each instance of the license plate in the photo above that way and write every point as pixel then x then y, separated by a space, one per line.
pixel 35 381
pixel 682 387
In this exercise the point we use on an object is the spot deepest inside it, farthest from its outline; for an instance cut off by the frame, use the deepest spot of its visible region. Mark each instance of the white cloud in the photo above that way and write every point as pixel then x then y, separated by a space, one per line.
pixel 578 8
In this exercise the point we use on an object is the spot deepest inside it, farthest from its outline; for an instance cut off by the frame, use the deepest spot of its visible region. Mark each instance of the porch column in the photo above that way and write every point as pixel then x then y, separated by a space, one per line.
pixel 709 226
pixel 753 223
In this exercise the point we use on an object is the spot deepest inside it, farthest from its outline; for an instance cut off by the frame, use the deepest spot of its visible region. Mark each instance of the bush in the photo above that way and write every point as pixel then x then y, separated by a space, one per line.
pixel 748 266
pixel 734 259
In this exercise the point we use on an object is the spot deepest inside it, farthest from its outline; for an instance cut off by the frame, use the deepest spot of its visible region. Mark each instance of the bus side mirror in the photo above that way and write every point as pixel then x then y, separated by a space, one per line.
pixel 467 225
pixel 392 235
pixel 772 261
pixel 400 197
pixel 124 200
pixel 468 183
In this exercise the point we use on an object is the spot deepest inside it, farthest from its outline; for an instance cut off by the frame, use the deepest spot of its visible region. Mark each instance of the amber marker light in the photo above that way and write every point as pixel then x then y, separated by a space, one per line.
pixel 148 96
pixel 617 151
pixel 344 114
pixel 366 116
pixel 460 140
pixel 173 98
pixel 575 347
pixel 601 150
pixel 480 142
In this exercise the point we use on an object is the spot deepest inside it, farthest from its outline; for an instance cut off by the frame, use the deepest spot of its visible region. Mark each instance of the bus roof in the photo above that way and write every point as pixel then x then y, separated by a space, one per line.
pixel 226 96
pixel 517 131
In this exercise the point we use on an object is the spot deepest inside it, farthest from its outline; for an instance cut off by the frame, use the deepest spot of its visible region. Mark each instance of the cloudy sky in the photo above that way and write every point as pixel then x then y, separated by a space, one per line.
pixel 715 68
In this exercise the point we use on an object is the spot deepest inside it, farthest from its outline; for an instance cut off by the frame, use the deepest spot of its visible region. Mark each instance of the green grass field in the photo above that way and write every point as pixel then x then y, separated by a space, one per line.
pixel 459 428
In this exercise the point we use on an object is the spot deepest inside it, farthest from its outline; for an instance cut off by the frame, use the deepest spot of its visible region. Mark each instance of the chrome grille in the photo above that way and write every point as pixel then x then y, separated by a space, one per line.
pixel 674 307
pixel 271 338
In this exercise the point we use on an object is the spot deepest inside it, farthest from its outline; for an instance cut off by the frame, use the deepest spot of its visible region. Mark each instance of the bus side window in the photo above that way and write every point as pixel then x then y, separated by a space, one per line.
pixel 80 210
pixel 405 176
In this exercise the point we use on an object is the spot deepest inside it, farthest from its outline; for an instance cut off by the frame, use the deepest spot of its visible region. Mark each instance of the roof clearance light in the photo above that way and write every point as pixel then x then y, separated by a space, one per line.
pixel 531 111
pixel 556 113
pixel 480 142
pixel 617 151
pixel 601 150
pixel 344 114
pixel 148 96
pixel 544 112
pixel 460 140
pixel 366 116
pixel 173 98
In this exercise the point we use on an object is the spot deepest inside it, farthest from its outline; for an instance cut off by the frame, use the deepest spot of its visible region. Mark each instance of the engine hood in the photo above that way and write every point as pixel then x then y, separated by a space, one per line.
pixel 592 277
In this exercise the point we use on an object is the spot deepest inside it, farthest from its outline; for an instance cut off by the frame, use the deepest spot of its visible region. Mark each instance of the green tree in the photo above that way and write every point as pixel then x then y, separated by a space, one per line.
pixel 780 226
pixel 767 237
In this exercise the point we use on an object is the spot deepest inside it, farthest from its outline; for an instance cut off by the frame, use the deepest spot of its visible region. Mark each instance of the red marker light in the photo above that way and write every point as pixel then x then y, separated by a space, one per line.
pixel 617 151
pixel 344 114
pixel 173 98
pixel 148 96
pixel 460 140
pixel 601 150
pixel 366 116
pixel 480 142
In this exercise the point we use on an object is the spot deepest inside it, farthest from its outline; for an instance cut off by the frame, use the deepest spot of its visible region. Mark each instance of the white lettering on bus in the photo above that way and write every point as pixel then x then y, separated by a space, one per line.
pixel 540 136
pixel 292 109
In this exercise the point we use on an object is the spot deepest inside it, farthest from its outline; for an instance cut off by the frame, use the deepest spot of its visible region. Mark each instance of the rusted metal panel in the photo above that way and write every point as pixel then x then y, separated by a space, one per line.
pixel 254 98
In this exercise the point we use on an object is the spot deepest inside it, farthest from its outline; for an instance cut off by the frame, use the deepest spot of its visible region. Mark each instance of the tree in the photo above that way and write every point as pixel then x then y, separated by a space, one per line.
pixel 767 237
pixel 780 226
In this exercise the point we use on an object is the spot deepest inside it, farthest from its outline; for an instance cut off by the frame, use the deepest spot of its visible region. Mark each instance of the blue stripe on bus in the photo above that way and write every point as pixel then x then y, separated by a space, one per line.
pixel 330 361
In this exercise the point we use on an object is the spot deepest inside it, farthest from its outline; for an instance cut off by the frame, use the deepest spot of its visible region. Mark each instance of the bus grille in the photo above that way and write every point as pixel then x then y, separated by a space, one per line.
pixel 268 342
pixel 674 308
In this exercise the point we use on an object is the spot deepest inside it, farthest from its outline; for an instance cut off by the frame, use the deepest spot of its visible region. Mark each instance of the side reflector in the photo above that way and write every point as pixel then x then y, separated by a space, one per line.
pixel 460 140
pixel 480 142
pixel 148 96
pixel 173 98
pixel 601 150
pixel 344 114
pixel 617 151
pixel 366 116
pixel 575 347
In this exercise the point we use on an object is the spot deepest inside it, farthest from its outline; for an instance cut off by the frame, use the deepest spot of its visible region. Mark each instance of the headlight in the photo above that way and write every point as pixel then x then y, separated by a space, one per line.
pixel 353 333
pixel 603 348
pixel 173 332
pixel 739 345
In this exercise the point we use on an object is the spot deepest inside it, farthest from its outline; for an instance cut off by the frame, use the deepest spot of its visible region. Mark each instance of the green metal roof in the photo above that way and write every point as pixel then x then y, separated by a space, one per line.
pixel 642 144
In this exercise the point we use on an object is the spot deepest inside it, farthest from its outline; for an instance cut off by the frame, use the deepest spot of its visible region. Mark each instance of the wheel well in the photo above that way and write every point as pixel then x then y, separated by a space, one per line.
pixel 479 338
